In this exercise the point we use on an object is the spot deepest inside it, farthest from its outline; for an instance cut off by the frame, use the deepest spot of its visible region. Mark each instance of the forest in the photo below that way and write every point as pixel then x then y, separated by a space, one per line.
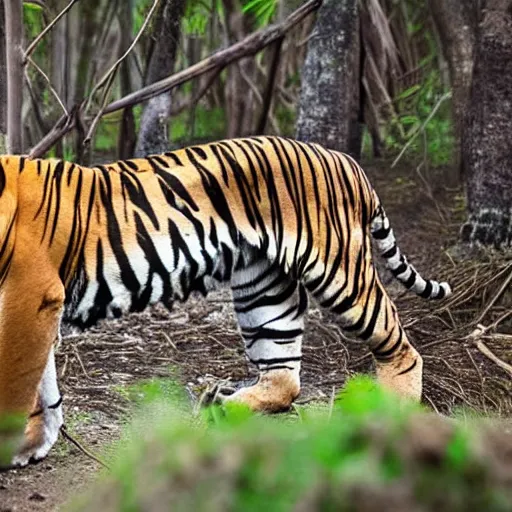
pixel 419 93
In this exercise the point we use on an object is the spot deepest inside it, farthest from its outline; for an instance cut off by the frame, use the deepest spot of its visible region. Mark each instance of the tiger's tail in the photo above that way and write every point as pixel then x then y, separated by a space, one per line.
pixel 403 271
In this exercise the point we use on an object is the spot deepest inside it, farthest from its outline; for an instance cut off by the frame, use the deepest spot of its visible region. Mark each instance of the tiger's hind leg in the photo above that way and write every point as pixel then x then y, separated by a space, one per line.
pixel 270 309
pixel 373 317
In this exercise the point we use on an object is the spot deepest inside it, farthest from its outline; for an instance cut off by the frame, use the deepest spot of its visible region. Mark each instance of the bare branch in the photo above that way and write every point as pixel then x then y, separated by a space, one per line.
pixel 35 105
pixel 248 46
pixel 200 93
pixel 64 125
pixel 111 72
pixel 269 89
pixel 45 76
pixel 35 42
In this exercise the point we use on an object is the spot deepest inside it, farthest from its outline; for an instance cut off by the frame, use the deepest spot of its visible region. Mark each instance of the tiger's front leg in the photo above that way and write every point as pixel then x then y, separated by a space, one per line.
pixel 270 309
pixel 42 430
pixel 31 303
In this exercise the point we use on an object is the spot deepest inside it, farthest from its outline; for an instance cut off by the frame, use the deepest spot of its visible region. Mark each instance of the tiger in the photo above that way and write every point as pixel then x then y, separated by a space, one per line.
pixel 278 219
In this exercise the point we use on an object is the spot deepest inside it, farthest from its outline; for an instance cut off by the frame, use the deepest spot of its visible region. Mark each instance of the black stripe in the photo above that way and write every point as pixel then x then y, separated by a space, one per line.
pixel 268 300
pixel 413 365
pixel 400 269
pixel 174 158
pixel 21 166
pixel 427 291
pixel 375 315
pixel 130 164
pixel 56 404
pixel 381 233
pixel 155 264
pixel 390 252
pixel 441 293
pixel 275 360
pixel 136 193
pixel 199 151
pixel 215 194
pixel 2 179
pixel 280 337
pixel 409 282
pixel 386 354
pixel 128 276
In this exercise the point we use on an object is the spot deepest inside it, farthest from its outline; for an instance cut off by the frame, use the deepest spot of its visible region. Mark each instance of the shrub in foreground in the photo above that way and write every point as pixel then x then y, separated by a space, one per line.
pixel 367 453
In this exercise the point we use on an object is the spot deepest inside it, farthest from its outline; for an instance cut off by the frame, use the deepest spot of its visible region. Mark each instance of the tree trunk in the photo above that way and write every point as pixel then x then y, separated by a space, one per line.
pixel 127 137
pixel 239 94
pixel 13 46
pixel 3 83
pixel 487 139
pixel 153 127
pixel 455 24
pixel 329 102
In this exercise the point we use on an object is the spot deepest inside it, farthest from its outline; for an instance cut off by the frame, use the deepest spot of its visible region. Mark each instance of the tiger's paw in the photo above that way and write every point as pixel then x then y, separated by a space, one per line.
pixel 41 434
pixel 403 374
pixel 274 391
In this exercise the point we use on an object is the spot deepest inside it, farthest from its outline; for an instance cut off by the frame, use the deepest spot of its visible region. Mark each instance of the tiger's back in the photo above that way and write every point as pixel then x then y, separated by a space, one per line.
pixel 137 232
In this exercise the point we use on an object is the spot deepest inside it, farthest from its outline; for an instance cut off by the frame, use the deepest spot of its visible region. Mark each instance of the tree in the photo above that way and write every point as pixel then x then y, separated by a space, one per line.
pixel 329 102
pixel 3 83
pixel 454 20
pixel 487 138
pixel 153 128
pixel 13 46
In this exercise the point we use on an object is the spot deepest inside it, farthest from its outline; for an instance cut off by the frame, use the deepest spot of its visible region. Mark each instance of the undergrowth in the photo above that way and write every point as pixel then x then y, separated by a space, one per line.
pixel 366 451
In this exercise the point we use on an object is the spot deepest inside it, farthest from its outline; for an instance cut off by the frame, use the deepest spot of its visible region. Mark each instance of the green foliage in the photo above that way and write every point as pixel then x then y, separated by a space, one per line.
pixel 11 435
pixel 415 105
pixel 209 124
pixel 140 12
pixel 32 19
pixel 286 119
pixel 197 16
pixel 262 10
pixel 369 448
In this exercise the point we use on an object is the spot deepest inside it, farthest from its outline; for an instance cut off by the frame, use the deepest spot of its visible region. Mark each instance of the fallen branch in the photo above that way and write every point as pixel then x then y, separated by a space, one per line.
pixel 496 296
pixel 486 351
pixel 85 451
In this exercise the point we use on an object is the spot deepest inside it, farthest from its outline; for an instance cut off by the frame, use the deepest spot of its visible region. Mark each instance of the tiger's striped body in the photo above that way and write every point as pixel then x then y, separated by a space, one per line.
pixel 272 216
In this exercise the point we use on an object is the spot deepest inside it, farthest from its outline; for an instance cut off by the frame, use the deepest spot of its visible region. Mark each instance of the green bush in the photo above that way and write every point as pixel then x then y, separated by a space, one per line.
pixel 367 452
pixel 11 435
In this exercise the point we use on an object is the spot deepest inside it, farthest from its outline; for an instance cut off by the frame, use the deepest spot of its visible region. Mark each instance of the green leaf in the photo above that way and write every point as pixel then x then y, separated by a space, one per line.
pixel 409 92
pixel 32 7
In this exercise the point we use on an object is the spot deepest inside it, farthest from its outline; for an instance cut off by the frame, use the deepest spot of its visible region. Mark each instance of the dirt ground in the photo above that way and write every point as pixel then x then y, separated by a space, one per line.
pixel 200 340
